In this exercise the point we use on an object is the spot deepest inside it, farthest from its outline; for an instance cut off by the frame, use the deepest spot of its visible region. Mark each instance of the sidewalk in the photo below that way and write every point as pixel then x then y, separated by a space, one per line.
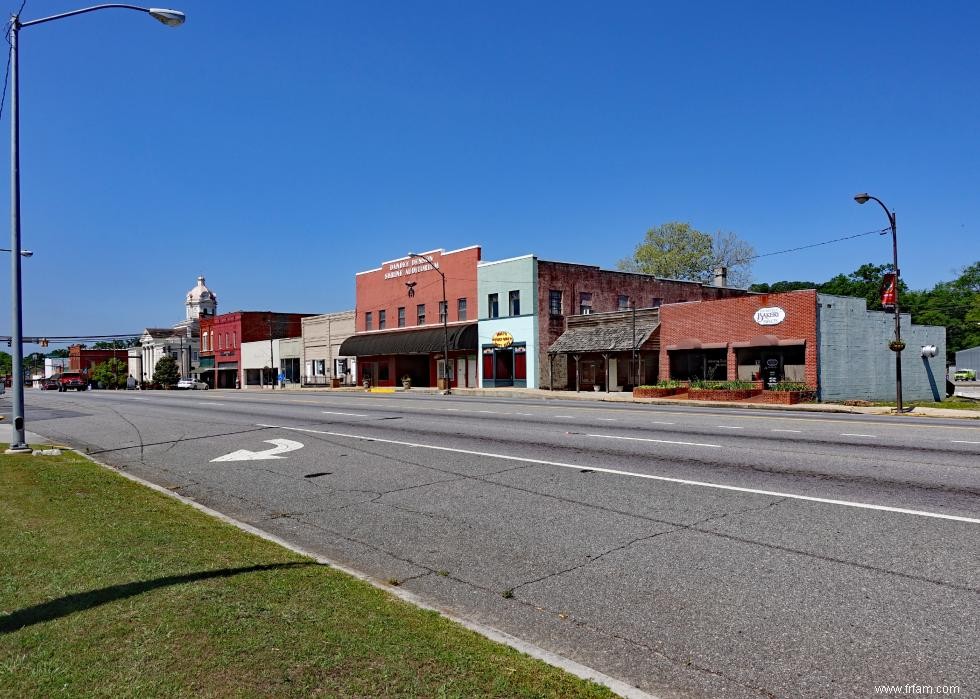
pixel 626 397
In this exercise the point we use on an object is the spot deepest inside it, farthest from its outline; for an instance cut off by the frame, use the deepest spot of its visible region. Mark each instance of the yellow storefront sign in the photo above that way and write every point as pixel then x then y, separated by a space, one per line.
pixel 502 339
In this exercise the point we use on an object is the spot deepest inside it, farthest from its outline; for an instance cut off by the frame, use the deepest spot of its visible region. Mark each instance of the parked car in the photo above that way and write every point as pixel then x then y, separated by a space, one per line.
pixel 965 375
pixel 49 384
pixel 3 387
pixel 192 384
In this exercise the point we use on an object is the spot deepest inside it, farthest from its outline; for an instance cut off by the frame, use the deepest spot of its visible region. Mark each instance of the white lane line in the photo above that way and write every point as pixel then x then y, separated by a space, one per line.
pixel 205 402
pixel 608 419
pixel 729 427
pixel 855 434
pixel 331 412
pixel 787 430
pixel 963 441
pixel 598 469
pixel 570 417
pixel 648 439
pixel 524 414
pixel 658 422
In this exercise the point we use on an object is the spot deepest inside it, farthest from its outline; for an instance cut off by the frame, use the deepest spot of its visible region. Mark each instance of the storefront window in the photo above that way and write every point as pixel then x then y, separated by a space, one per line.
pixel 698 365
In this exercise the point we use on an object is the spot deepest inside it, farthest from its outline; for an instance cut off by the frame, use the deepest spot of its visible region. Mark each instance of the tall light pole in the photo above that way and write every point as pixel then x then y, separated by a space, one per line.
pixel 445 323
pixel 171 18
pixel 863 198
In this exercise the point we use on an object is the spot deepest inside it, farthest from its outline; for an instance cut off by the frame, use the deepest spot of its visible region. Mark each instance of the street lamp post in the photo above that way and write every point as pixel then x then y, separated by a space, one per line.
pixel 445 323
pixel 862 198
pixel 171 18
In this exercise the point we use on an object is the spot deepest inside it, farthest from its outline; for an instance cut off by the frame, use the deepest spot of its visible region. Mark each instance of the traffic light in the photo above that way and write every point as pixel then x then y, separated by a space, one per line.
pixel 43 342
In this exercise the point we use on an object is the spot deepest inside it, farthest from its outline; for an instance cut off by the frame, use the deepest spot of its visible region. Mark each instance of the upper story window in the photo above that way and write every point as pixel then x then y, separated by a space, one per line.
pixel 493 306
pixel 443 311
pixel 234 338
pixel 420 314
pixel 368 320
pixel 401 316
pixel 585 303
pixel 461 309
pixel 656 302
pixel 554 302
pixel 221 343
pixel 624 302
pixel 382 319
pixel 514 302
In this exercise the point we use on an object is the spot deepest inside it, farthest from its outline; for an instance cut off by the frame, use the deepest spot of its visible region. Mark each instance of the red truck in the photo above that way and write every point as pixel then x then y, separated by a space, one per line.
pixel 72 380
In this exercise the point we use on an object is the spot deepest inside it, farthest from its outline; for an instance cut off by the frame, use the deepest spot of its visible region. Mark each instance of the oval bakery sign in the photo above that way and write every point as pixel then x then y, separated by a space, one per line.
pixel 770 316
pixel 502 339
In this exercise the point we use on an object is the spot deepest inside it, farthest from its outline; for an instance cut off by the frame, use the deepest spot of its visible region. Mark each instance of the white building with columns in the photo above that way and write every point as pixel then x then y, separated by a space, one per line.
pixel 181 341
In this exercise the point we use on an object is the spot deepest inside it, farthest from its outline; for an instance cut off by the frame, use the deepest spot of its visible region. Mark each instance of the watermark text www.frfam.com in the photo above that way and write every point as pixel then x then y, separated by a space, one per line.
pixel 920 689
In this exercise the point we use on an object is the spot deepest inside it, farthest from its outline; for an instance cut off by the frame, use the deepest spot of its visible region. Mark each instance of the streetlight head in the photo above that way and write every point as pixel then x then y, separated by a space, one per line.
pixel 172 18
pixel 861 198
pixel 27 253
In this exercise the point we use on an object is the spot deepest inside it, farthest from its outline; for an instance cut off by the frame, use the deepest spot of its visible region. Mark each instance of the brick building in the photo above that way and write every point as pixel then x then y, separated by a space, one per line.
pixel 399 320
pixel 83 359
pixel 833 344
pixel 526 305
pixel 222 337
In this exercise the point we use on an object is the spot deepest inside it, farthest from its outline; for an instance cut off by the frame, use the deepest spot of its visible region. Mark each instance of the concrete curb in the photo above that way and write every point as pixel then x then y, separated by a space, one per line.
pixel 568 665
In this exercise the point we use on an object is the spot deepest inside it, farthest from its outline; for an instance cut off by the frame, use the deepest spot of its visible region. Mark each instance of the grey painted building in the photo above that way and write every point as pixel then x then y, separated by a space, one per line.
pixel 856 363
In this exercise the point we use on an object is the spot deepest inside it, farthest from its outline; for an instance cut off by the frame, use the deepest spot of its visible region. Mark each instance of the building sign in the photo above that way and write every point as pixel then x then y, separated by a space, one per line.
pixel 502 339
pixel 769 316
pixel 404 268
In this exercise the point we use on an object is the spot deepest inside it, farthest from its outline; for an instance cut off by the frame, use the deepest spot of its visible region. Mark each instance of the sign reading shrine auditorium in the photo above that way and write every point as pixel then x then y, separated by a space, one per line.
pixel 502 339
pixel 769 316
pixel 410 266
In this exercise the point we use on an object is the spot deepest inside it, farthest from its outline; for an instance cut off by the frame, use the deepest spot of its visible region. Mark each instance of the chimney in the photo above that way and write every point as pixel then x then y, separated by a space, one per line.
pixel 721 277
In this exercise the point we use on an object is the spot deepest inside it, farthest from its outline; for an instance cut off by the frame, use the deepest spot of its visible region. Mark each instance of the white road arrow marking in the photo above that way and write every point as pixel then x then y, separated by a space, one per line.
pixel 280 446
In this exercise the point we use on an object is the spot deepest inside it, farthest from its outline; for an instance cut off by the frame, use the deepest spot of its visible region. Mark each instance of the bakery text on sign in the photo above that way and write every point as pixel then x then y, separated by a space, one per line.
pixel 769 316
pixel 405 267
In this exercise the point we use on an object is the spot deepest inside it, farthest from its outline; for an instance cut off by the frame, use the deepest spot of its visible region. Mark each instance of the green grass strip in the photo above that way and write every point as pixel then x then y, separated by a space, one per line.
pixel 110 589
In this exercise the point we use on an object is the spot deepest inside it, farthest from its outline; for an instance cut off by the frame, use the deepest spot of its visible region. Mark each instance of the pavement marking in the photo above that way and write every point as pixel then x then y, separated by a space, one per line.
pixel 205 402
pixel 660 422
pixel 647 476
pixel 331 412
pixel 647 439
pixel 607 419
pixel 570 417
pixel 729 427
pixel 855 434
pixel 963 441
pixel 787 430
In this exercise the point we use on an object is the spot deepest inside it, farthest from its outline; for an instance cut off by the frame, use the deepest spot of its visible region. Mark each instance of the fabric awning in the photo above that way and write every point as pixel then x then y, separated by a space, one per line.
pixel 768 341
pixel 426 341
pixel 604 338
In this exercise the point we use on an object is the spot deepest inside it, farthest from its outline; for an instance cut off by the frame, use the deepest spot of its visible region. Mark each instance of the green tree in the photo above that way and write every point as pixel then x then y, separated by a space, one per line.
pixel 58 354
pixel 779 287
pixel 166 373
pixel 117 344
pixel 111 373
pixel 677 250
pixel 6 363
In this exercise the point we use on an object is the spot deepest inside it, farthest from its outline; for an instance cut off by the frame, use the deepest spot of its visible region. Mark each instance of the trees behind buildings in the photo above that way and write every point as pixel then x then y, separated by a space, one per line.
pixel 676 250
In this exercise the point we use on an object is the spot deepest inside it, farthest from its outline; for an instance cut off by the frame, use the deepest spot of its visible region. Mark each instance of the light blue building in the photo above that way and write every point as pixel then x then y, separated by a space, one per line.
pixel 508 322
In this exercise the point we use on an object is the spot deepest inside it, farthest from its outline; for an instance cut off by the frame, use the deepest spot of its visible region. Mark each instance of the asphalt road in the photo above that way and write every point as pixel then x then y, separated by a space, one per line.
pixel 689 552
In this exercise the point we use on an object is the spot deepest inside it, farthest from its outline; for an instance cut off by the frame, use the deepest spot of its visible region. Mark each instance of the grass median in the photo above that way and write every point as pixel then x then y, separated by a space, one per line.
pixel 108 588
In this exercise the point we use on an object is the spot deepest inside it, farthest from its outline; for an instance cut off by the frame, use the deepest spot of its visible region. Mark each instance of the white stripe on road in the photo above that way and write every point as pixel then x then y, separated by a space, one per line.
pixel 617 472
pixel 647 439
pixel 854 434
pixel 729 427
pixel 657 422
pixel 570 417
pixel 787 430
pixel 330 412
pixel 962 441
pixel 607 419
pixel 205 402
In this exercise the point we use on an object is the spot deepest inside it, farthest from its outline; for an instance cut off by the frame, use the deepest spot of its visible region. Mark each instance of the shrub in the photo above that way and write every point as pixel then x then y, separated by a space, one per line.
pixel 790 386
pixel 663 383
pixel 722 385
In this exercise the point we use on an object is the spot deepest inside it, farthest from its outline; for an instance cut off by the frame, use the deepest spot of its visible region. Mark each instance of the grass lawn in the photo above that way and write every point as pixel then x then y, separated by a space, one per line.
pixel 952 403
pixel 111 589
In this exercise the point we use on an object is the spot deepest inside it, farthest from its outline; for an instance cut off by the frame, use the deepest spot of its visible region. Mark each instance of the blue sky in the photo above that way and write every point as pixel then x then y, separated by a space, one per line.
pixel 278 148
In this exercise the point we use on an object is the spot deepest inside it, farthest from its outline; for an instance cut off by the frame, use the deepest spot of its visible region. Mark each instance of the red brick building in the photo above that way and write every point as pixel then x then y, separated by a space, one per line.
pixel 760 337
pixel 83 359
pixel 398 324
pixel 222 337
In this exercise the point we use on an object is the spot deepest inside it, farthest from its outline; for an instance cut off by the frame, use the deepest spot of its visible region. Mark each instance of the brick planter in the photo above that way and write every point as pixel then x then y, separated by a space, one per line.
pixel 785 397
pixel 654 392
pixel 709 394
